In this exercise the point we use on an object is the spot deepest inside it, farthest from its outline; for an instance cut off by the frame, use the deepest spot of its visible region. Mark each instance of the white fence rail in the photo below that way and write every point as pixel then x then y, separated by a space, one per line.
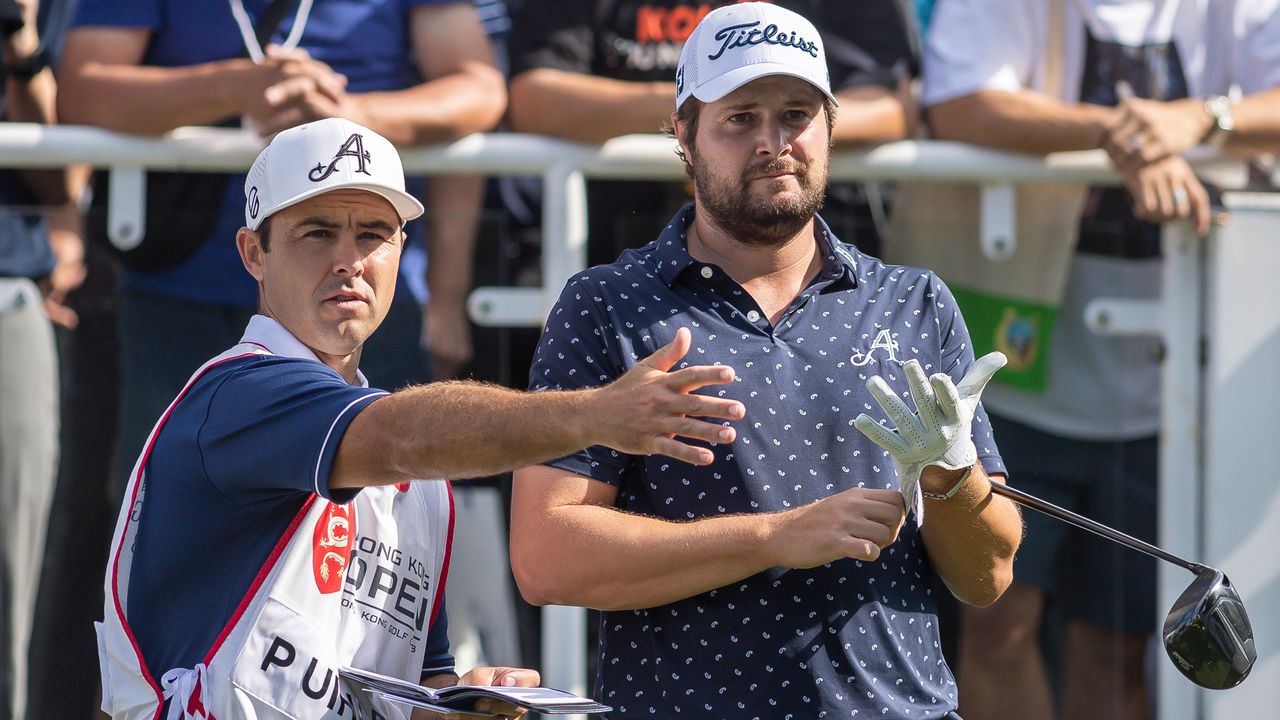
pixel 1188 519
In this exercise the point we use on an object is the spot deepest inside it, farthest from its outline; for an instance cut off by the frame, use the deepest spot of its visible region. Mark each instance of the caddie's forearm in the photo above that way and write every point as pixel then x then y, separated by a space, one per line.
pixel 971 539
pixel 599 557
pixel 459 429
pixel 443 680
pixel 470 429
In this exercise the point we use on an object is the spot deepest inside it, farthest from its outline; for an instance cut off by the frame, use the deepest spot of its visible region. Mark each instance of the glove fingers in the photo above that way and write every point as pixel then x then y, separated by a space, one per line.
pixel 975 380
pixel 948 397
pixel 892 405
pixel 880 435
pixel 922 393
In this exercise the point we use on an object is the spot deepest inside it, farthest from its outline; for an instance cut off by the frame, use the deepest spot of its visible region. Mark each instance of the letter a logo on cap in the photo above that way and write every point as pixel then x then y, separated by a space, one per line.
pixel 353 147
pixel 286 172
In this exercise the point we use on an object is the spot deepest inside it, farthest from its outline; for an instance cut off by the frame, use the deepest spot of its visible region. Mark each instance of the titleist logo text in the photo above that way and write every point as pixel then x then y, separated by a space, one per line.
pixel 736 36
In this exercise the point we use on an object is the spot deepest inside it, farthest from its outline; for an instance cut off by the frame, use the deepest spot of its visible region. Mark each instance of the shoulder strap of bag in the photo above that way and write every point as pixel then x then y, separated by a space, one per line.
pixel 1055 48
pixel 270 20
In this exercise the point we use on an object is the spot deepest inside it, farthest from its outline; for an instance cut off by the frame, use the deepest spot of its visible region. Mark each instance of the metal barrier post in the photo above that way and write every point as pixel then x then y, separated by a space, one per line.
pixel 564 253
pixel 564 230
pixel 126 206
pixel 1181 467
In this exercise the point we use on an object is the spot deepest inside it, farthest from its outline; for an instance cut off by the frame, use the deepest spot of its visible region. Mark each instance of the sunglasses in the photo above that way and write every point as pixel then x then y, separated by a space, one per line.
pixel 1207 632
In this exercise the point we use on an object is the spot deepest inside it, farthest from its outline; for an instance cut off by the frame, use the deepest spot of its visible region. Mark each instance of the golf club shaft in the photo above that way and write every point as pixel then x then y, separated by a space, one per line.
pixel 1092 526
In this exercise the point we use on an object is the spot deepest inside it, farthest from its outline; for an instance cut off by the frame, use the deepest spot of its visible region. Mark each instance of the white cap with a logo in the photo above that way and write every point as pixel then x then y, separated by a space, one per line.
pixel 321 156
pixel 736 44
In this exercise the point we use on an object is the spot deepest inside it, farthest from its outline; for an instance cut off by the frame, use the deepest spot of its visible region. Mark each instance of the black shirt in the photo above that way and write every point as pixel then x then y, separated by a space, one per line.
pixel 869 42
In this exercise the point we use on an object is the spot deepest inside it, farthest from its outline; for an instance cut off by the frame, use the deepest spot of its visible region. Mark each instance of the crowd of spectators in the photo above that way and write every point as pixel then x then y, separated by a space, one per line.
pixel 95 343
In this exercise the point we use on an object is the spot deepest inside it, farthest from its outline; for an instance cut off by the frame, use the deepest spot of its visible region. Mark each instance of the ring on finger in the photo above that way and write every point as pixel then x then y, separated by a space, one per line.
pixel 1135 144
pixel 1180 196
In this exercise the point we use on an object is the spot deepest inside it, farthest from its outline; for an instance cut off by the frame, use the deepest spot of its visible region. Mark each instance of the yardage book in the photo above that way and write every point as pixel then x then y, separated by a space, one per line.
pixel 461 699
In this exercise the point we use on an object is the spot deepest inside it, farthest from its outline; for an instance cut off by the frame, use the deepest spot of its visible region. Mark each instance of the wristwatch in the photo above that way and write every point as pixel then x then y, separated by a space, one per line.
pixel 955 488
pixel 27 67
pixel 1220 108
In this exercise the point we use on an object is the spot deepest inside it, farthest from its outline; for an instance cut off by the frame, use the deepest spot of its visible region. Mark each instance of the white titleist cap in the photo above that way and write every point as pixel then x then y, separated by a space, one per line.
pixel 736 44
pixel 325 155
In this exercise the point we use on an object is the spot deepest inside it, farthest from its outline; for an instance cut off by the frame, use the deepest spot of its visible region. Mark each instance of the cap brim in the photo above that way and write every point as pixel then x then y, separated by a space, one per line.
pixel 723 84
pixel 406 205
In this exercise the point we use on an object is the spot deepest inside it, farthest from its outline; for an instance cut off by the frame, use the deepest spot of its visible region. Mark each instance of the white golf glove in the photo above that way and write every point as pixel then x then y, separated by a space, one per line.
pixel 940 433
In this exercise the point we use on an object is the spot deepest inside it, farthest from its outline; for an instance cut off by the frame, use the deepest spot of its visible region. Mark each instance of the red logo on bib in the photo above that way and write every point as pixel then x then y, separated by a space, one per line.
pixel 331 547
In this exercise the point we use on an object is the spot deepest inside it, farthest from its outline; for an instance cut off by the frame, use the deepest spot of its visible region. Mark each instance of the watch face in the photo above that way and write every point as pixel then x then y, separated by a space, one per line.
pixel 1220 108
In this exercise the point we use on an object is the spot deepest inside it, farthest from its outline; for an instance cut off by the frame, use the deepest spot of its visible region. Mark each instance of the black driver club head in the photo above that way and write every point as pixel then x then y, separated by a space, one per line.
pixel 1207 633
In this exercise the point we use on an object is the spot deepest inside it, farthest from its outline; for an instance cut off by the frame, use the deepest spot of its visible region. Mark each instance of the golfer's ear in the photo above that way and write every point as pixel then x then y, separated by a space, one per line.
pixel 249 243
pixel 678 128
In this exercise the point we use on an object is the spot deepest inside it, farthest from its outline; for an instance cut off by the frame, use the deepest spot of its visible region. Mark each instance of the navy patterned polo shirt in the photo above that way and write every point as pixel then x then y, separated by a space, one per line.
pixel 845 639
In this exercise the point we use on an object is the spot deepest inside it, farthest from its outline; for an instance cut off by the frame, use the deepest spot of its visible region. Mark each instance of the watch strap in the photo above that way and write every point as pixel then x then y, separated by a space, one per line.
pixel 1219 107
pixel 28 67
pixel 955 488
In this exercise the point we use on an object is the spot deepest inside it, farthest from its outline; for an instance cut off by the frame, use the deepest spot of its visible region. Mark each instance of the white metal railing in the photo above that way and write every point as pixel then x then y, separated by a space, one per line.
pixel 564 168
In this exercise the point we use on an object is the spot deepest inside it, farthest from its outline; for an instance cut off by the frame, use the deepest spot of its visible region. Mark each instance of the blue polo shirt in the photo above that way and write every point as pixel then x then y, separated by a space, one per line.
pixel 846 638
pixel 238 456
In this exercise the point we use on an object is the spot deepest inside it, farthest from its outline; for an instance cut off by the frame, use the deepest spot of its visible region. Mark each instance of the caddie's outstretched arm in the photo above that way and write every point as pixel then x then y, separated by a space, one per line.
pixel 469 429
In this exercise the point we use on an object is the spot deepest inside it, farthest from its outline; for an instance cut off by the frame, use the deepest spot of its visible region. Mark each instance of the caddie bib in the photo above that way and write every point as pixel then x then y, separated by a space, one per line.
pixel 356 584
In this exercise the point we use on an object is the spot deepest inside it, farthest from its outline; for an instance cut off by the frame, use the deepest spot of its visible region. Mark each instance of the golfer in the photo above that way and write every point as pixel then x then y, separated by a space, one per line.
pixel 275 527
pixel 779 580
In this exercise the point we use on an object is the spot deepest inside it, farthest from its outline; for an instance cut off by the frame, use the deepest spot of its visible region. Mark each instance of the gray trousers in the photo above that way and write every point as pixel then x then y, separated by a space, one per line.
pixel 28 468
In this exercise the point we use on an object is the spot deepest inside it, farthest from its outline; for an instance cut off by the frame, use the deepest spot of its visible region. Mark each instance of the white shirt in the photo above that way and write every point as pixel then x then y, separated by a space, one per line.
pixel 1099 388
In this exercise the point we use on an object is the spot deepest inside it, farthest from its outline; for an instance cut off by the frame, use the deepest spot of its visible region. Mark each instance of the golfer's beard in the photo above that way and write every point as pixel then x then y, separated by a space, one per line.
pixel 731 208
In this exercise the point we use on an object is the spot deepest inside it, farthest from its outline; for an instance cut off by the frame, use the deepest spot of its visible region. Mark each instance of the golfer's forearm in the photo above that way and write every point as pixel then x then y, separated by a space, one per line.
pixel 971 539
pixel 460 430
pixel 601 558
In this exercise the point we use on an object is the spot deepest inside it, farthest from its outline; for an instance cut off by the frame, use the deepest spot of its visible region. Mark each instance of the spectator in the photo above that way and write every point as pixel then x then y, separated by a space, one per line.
pixel 41 260
pixel 1145 80
pixel 590 70
pixel 780 580
pixel 417 71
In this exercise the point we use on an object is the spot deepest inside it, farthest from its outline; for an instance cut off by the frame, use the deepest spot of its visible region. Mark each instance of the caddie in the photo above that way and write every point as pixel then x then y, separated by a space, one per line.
pixel 782 580
pixel 275 526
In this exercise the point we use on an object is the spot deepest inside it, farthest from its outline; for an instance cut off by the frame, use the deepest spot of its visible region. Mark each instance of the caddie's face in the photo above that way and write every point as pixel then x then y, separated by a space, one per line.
pixel 760 157
pixel 330 269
